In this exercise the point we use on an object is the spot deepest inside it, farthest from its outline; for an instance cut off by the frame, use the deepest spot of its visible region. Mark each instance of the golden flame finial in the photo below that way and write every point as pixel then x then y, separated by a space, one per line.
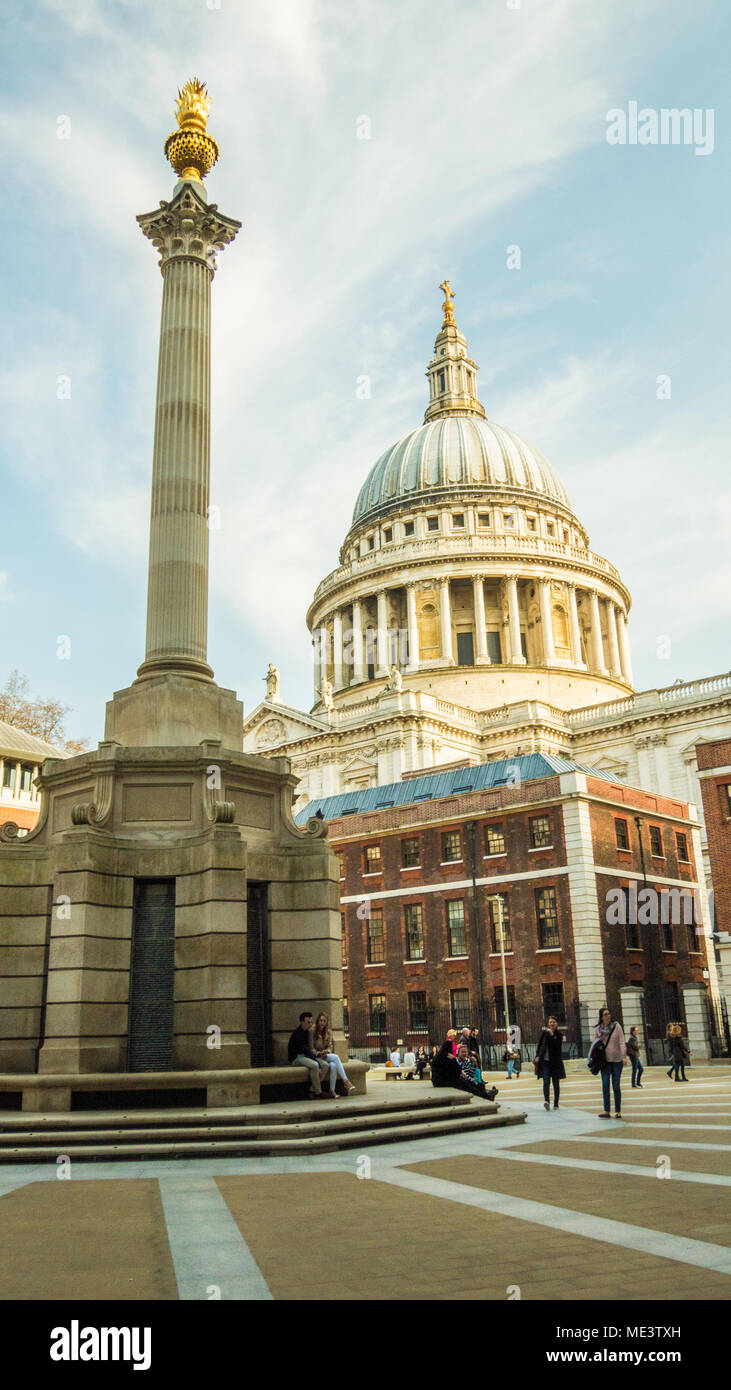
pixel 192 106
pixel 448 305
pixel 190 149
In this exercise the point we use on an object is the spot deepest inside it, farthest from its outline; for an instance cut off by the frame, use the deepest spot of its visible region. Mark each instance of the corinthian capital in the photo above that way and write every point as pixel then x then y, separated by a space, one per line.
pixel 188 227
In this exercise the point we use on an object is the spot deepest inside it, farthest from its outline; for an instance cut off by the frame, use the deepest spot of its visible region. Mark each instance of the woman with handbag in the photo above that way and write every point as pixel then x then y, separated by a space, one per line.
pixel 548 1062
pixel 607 1055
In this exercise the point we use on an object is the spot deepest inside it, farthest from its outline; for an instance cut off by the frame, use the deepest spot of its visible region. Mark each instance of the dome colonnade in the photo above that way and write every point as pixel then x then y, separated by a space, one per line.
pixel 464 552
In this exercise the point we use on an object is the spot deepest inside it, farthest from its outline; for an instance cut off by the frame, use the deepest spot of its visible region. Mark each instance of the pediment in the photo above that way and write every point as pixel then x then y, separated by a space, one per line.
pixel 272 724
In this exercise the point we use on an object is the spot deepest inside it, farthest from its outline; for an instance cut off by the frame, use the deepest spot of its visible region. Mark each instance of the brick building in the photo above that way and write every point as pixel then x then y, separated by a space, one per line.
pixel 714 773
pixel 434 866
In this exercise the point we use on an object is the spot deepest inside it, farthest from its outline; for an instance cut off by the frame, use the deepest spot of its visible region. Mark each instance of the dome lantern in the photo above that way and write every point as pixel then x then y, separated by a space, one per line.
pixel 452 373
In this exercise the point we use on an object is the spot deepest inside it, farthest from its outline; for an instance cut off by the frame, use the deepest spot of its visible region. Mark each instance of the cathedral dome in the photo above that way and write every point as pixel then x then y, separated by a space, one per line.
pixel 465 575
pixel 455 453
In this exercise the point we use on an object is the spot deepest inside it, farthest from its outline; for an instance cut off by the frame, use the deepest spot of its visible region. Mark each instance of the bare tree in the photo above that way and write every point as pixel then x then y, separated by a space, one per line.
pixel 44 718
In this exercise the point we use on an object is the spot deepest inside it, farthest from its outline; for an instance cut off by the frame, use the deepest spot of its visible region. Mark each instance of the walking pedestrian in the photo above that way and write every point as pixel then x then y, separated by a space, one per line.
pixel 549 1062
pixel 680 1056
pixel 610 1047
pixel 633 1052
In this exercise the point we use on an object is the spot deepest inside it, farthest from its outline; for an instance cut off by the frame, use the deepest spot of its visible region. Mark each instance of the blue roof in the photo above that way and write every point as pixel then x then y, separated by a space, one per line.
pixel 432 786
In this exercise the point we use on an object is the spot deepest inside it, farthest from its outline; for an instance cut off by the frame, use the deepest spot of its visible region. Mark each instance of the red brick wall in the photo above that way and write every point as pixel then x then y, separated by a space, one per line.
pixel 718 824
pixel 437 975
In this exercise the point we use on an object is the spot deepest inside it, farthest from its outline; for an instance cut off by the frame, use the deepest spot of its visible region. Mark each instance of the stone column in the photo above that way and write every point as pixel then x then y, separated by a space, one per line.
pixel 632 1016
pixel 359 672
pixel 597 650
pixel 445 616
pixel 413 626
pixel 516 651
pixel 382 654
pixel 624 651
pixel 544 593
pixel 316 664
pixel 320 640
pixel 188 232
pixel 575 628
pixel 614 658
pixel 478 590
pixel 339 667
pixel 696 1017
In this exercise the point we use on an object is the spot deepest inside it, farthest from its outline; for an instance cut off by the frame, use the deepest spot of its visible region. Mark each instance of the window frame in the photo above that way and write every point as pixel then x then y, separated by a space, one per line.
pixel 409 910
pixel 415 1026
pixel 620 821
pixel 507 924
pixel 532 822
pixel 366 865
pixel 380 1032
pixel 541 917
pixel 657 829
pixel 557 1011
pixel 411 840
pixel 486 829
pixel 455 927
pixel 372 959
pixel 456 859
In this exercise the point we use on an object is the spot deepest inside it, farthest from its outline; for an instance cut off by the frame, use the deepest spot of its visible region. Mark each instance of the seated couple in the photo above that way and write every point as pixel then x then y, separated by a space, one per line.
pixel 460 1071
pixel 314 1049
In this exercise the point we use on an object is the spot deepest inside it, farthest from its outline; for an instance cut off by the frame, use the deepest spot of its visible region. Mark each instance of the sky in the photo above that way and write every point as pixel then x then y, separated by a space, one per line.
pixel 607 348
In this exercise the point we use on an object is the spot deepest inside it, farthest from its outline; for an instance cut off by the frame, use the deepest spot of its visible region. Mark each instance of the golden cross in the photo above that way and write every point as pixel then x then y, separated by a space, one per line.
pixel 448 305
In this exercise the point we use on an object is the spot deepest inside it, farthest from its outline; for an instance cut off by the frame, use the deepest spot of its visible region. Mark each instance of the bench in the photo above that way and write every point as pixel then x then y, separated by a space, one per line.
pixel 54 1093
pixel 382 1073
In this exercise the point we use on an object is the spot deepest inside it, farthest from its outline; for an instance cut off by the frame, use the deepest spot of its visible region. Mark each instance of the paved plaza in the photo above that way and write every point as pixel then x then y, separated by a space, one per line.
pixel 534 1211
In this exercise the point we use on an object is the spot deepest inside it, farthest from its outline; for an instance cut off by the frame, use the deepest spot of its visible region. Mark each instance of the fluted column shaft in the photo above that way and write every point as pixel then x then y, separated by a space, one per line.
pixel 445 618
pixel 614 657
pixel 544 592
pixel 359 673
pixel 339 668
pixel 575 628
pixel 382 634
pixel 177 594
pixel 188 232
pixel 624 650
pixel 597 649
pixel 478 591
pixel 412 626
pixel 516 650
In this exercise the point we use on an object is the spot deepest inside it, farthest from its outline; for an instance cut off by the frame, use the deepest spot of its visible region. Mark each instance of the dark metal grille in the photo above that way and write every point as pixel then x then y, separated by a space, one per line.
pixel 152 976
pixel 258 976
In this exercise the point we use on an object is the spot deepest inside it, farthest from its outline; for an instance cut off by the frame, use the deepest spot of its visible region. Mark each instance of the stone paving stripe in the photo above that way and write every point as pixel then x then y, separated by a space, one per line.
pixel 697 1213
pixel 598 1165
pixel 210 1255
pixel 692 1158
pixel 624 1136
pixel 683 1249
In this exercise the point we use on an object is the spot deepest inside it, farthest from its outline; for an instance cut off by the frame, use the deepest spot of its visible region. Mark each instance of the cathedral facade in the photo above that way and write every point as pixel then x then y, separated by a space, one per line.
pixel 470 620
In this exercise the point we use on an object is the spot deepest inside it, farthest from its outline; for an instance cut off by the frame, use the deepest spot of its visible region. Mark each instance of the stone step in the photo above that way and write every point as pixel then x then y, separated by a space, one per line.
pixel 291 1112
pixel 248 1129
pixel 457 1120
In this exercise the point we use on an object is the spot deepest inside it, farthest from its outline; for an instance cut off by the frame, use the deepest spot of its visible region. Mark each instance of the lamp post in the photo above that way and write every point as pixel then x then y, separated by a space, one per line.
pixel 501 938
pixel 471 828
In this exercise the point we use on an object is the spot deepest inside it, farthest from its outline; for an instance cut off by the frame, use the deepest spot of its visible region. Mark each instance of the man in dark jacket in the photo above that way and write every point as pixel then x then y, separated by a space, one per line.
pixel 301 1054
pixel 448 1070
pixel 633 1052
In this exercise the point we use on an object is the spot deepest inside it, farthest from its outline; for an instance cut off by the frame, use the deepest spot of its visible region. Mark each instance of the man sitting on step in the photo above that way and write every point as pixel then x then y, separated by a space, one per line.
pixel 301 1054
